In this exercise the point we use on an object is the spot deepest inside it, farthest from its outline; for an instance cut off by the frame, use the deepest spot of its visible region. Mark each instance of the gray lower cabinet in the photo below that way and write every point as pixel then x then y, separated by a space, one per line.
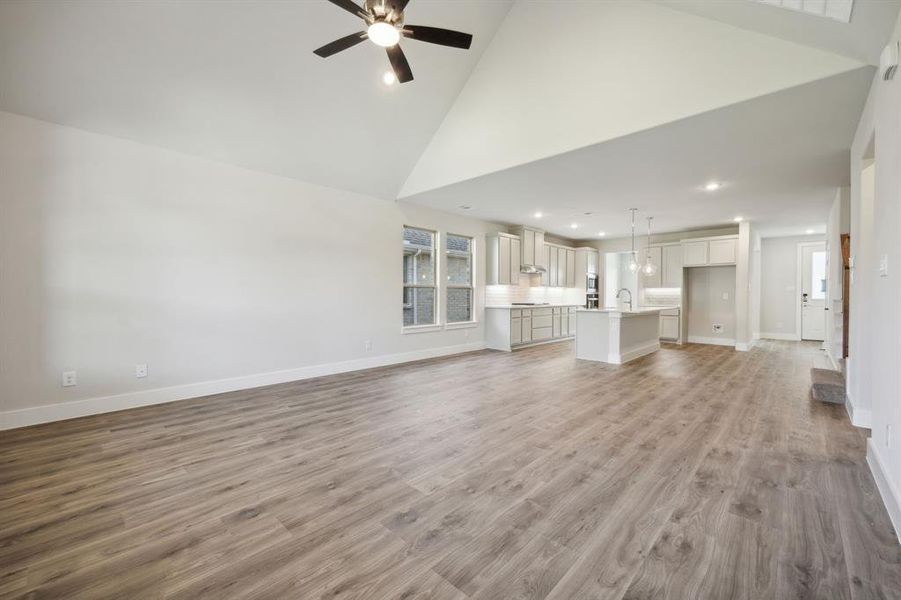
pixel 541 324
pixel 507 328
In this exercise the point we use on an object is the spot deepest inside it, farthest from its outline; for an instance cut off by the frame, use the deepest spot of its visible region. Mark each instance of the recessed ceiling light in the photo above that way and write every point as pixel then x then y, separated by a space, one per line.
pixel 574 226
pixel 809 232
pixel 538 215
pixel 389 78
pixel 712 186
pixel 383 34
pixel 738 219
pixel 601 234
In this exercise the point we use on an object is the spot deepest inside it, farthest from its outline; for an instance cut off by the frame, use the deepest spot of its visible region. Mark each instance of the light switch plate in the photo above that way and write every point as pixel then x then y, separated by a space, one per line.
pixel 140 371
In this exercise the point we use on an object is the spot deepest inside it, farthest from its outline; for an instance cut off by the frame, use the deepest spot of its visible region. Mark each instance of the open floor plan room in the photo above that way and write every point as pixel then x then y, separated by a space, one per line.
pixel 463 300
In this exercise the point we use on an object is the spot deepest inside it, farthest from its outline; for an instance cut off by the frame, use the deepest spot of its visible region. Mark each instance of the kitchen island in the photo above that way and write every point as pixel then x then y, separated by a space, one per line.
pixel 616 336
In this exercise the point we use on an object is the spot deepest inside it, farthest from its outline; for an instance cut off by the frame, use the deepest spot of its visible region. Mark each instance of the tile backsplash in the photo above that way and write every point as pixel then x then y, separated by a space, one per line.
pixel 661 296
pixel 507 294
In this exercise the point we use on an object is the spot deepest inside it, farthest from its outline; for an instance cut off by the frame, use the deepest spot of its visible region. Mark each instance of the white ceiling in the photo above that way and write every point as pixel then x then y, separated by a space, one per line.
pixel 780 159
pixel 862 39
pixel 238 81
pixel 604 70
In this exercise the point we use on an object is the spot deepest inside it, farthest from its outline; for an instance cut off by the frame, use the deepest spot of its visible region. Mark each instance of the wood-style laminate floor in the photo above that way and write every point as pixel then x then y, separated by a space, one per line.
pixel 696 472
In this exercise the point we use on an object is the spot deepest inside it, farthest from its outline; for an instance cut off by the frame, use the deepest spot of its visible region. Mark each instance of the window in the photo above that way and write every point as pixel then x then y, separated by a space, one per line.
pixel 459 278
pixel 818 275
pixel 420 295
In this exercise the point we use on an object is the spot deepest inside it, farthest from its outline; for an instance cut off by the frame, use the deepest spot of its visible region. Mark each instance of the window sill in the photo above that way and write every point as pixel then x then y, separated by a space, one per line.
pixel 420 329
pixel 462 325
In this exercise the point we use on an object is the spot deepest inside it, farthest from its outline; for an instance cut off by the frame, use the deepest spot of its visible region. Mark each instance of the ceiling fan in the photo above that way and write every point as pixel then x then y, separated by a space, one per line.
pixel 385 27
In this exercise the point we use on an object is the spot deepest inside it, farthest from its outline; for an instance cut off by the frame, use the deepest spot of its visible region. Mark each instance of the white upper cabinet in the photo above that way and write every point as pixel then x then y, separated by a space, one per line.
pixel 503 255
pixel 723 252
pixel 570 268
pixel 711 251
pixel 655 280
pixel 671 269
pixel 552 269
pixel 694 254
pixel 533 248
pixel 528 247
pixel 592 262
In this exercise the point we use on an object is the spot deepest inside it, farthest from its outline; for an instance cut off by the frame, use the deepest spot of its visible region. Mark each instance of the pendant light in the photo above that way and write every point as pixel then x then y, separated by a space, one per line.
pixel 649 269
pixel 633 257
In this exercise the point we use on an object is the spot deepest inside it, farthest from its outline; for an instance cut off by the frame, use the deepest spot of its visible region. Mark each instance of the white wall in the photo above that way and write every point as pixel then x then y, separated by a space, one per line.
pixel 779 286
pixel 115 254
pixel 755 284
pixel 874 365
pixel 839 223
pixel 711 299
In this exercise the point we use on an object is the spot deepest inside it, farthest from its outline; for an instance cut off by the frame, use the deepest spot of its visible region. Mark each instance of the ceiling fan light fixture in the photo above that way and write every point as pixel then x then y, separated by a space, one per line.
pixel 383 34
pixel 389 78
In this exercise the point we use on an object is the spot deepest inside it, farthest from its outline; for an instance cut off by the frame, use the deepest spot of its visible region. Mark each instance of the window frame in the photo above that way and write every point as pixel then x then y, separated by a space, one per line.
pixel 471 322
pixel 435 285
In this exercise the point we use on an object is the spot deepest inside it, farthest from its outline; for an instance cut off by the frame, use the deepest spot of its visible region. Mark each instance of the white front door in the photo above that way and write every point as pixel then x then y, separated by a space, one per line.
pixel 813 291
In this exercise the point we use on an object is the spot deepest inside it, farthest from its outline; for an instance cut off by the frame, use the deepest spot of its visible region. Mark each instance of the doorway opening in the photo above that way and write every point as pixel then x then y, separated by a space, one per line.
pixel 812 269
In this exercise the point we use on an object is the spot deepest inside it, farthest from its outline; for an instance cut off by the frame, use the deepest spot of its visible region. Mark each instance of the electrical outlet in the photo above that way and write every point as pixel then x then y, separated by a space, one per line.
pixel 140 371
pixel 883 265
pixel 70 378
pixel 367 346
pixel 717 328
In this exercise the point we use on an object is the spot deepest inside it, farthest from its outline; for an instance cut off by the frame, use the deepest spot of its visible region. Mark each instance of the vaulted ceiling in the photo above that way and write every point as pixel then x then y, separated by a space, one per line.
pixel 238 81
pixel 557 104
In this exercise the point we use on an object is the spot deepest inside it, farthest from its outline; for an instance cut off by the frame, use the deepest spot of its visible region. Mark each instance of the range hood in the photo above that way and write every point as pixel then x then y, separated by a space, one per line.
pixel 532 269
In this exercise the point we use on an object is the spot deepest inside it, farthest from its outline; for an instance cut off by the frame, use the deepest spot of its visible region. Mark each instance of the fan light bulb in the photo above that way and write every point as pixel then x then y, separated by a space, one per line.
pixel 383 34
pixel 389 78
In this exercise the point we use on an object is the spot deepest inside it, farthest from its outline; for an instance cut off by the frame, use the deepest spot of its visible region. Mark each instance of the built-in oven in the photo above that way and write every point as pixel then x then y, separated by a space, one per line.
pixel 591 291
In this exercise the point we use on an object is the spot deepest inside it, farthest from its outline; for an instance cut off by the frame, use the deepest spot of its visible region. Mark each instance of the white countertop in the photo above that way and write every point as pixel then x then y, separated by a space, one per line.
pixel 552 305
pixel 643 310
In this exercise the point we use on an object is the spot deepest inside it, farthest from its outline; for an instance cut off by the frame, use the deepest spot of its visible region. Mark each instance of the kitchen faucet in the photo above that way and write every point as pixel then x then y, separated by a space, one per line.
pixel 629 301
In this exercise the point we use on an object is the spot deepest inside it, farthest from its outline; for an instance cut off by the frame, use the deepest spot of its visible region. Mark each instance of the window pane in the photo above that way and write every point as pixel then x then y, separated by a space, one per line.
pixel 458 243
pixel 459 260
pixel 818 275
pixel 419 256
pixel 459 271
pixel 459 305
pixel 419 306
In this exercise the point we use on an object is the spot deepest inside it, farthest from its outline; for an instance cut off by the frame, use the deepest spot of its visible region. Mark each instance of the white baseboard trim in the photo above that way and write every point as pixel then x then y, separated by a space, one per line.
pixel 890 496
pixel 618 359
pixel 743 347
pixel 792 337
pixel 696 339
pixel 859 417
pixel 92 406
pixel 755 335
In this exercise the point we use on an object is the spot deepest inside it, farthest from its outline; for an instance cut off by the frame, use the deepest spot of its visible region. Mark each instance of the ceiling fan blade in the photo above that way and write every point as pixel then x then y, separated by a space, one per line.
pixel 399 64
pixel 397 6
pixel 350 7
pixel 340 44
pixel 436 35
